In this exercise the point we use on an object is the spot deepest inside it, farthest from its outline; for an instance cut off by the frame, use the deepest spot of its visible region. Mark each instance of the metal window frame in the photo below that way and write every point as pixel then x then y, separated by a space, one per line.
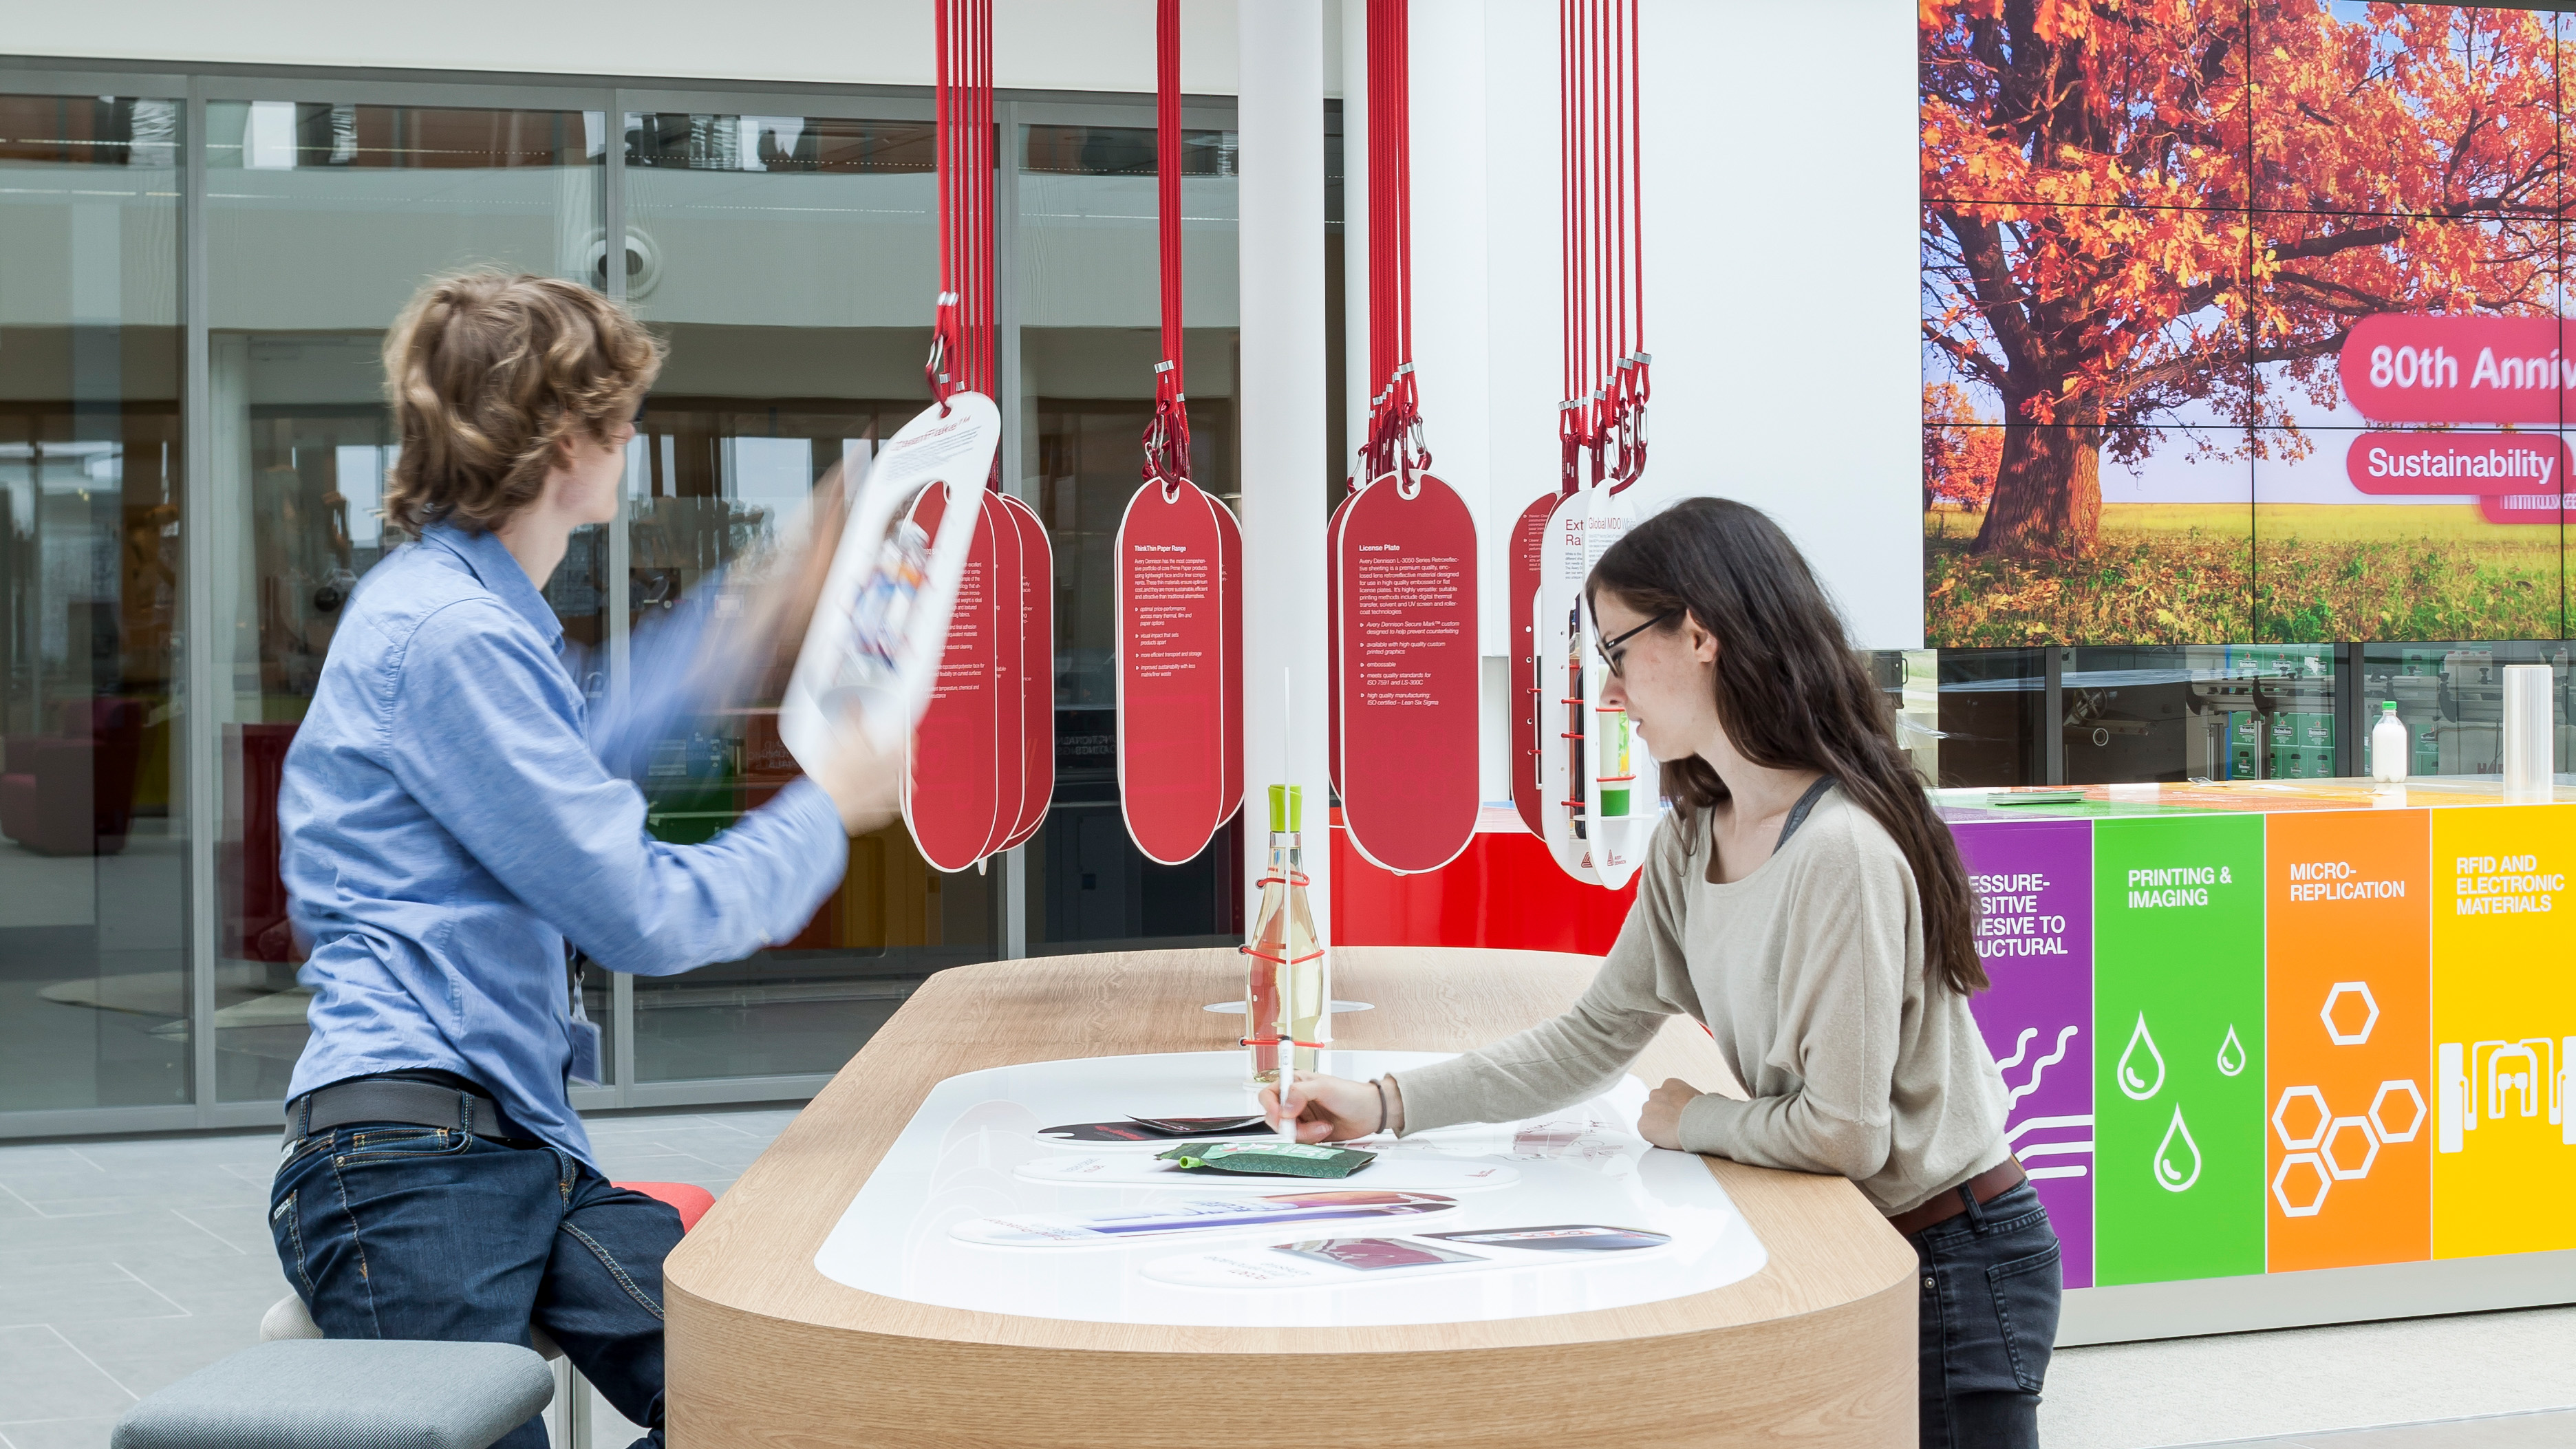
pixel 197 86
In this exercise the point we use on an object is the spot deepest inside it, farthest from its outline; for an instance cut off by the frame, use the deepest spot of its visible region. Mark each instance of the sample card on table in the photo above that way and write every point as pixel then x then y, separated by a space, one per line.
pixel 2178 1083
pixel 2349 992
pixel 2034 884
pixel 2504 1031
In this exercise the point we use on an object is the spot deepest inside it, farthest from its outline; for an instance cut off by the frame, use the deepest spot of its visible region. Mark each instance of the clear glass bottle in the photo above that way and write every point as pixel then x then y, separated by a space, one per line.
pixel 1284 961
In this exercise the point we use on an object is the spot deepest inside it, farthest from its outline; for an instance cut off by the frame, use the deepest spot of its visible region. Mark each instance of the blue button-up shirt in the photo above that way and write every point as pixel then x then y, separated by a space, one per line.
pixel 448 823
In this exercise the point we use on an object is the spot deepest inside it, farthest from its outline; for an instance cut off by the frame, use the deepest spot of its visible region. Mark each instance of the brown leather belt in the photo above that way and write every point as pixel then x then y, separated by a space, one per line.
pixel 1988 1185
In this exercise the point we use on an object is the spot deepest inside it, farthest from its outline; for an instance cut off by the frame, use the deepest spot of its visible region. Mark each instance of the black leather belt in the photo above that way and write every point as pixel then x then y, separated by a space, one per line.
pixel 380 1099
pixel 1988 1185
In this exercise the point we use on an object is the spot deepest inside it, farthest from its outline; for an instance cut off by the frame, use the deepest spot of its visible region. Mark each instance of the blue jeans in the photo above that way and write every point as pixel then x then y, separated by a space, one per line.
pixel 1989 1319
pixel 393 1231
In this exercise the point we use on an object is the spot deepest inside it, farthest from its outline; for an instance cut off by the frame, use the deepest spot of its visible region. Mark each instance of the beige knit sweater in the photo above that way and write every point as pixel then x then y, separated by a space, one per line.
pixel 1809 974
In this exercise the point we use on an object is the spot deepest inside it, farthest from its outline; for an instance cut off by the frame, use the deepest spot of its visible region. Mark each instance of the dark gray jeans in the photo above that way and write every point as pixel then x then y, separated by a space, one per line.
pixel 1990 1292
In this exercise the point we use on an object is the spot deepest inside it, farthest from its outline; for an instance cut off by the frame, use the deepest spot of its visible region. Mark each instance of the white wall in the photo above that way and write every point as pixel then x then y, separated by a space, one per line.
pixel 1092 45
pixel 1781 283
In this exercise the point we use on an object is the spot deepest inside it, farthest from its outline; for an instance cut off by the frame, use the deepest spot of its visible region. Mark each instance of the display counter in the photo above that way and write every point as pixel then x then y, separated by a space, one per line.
pixel 2285 1051
pixel 918 1260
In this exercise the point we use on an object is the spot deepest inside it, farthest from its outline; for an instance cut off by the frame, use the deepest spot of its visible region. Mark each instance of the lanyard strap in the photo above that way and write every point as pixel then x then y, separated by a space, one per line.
pixel 1167 437
pixel 961 344
pixel 1601 424
pixel 1395 440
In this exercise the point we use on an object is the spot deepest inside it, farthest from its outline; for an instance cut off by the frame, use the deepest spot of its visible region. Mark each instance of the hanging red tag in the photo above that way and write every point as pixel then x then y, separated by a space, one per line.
pixel 1405 617
pixel 1229 552
pixel 1333 640
pixel 1034 686
pixel 1010 652
pixel 1170 581
pixel 1521 556
pixel 952 794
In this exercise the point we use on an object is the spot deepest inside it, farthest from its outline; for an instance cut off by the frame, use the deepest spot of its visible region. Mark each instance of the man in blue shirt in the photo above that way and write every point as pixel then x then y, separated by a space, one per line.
pixel 450 825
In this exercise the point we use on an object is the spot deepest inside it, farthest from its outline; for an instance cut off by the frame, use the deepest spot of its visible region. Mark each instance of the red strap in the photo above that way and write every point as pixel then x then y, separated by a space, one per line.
pixel 1602 421
pixel 1167 437
pixel 1395 443
pixel 962 346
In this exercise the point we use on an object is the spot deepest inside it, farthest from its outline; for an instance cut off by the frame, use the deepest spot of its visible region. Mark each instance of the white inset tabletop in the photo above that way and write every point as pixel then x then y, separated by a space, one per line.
pixel 1556 1215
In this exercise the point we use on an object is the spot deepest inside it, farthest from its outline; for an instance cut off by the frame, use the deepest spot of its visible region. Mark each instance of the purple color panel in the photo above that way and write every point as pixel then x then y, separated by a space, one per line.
pixel 2034 880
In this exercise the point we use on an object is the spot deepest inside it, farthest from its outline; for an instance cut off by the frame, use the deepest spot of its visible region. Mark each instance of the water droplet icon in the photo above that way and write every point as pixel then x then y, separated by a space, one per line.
pixel 2137 1086
pixel 2177 1157
pixel 2231 1054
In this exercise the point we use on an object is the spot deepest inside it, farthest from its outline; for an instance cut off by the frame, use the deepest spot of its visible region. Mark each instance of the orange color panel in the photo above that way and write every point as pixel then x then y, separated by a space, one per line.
pixel 2349 1177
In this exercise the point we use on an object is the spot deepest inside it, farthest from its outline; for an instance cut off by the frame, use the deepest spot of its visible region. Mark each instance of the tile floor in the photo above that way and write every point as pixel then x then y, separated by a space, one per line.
pixel 128 1264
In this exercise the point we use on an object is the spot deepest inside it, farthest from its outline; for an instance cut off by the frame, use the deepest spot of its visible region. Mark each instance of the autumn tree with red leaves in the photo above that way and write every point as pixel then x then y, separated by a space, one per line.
pixel 2135 207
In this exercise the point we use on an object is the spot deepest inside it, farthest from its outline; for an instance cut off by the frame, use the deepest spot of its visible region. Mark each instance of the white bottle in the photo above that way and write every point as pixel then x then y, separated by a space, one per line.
pixel 2389 746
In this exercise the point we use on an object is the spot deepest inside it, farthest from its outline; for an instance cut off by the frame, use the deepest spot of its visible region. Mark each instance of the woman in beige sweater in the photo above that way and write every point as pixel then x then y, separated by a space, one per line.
pixel 1803 901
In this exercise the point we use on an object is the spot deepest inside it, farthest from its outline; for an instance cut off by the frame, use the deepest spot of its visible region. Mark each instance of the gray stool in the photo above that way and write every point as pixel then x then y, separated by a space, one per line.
pixel 287 1318
pixel 345 1394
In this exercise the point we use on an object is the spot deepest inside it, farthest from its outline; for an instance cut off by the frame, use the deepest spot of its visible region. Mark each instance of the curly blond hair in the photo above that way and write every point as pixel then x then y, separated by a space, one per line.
pixel 487 372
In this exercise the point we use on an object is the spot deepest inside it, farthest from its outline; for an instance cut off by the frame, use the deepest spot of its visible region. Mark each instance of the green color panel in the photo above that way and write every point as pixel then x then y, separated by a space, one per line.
pixel 2178 1017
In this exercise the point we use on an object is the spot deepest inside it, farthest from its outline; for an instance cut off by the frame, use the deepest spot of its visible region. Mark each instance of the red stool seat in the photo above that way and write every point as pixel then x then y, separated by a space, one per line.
pixel 689 1200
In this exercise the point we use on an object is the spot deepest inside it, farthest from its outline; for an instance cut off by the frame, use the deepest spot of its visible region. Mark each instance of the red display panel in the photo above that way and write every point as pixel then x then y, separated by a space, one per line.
pixel 1520 559
pixel 953 797
pixel 1036 681
pixel 1333 640
pixel 1229 535
pixel 1171 579
pixel 1405 672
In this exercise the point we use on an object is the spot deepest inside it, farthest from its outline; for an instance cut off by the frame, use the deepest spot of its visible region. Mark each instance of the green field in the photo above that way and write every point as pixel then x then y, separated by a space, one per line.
pixel 2201 573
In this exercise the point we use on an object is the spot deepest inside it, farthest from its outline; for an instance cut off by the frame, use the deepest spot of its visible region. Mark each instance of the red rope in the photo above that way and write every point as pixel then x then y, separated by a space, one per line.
pixel 1395 443
pixel 962 351
pixel 1601 424
pixel 1167 437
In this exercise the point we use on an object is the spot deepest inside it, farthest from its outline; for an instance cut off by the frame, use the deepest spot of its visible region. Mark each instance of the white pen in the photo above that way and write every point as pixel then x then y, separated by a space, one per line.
pixel 1287 1076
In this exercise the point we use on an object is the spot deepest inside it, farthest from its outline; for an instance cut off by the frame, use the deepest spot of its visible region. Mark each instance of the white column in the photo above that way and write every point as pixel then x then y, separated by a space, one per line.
pixel 1357 385
pixel 1280 118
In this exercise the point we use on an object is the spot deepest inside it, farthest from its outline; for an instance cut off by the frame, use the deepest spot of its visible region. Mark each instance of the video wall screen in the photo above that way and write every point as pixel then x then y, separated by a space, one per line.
pixel 2245 322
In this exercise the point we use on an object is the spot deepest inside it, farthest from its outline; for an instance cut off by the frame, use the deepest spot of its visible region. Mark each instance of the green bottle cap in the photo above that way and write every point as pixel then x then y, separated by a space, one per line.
pixel 1287 804
pixel 2388 706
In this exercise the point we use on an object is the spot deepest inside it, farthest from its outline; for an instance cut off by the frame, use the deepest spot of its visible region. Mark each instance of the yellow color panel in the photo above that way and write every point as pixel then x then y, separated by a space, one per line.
pixel 2504 1026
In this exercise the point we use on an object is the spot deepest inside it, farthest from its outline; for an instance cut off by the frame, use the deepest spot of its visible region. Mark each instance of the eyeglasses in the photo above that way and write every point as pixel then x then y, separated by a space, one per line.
pixel 1614 654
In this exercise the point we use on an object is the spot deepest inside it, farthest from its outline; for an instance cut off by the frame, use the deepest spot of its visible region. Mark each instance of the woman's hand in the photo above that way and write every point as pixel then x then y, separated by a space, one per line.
pixel 1661 1122
pixel 1327 1109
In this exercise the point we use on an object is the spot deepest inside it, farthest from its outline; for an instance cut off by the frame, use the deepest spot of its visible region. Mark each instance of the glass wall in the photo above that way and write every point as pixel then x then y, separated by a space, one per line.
pixel 321 220
pixel 791 263
pixel 1089 337
pixel 94 985
pixel 2227 712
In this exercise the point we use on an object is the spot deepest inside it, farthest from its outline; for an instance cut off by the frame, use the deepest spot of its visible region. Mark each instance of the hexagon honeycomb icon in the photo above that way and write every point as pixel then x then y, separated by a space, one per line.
pixel 2379 1123
pixel 2370 1013
pixel 2302 1141
pixel 2336 1146
pixel 2324 1149
pixel 2300 1165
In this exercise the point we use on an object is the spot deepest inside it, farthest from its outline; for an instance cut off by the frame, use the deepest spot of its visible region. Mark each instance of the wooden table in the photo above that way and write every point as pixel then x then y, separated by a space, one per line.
pixel 1818 1348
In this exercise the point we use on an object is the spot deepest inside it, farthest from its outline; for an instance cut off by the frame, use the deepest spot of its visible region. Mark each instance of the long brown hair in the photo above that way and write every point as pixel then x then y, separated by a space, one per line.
pixel 1791 694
